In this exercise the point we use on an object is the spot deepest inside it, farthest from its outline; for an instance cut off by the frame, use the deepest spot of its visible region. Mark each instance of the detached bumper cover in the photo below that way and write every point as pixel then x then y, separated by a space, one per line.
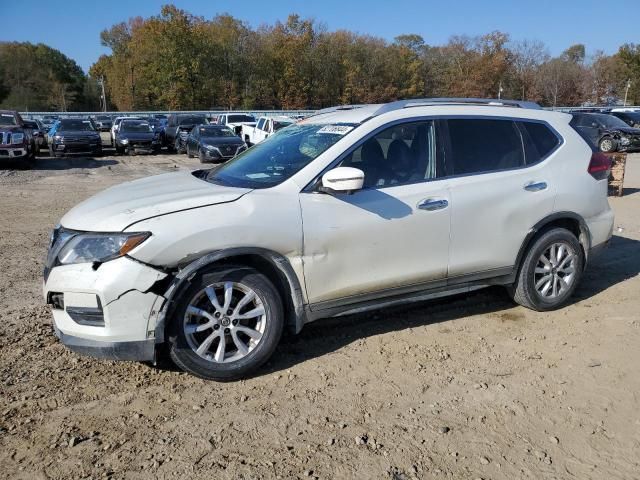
pixel 139 351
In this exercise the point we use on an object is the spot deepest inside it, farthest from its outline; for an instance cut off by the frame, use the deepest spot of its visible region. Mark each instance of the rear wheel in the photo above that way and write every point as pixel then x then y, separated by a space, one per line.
pixel 226 324
pixel 550 271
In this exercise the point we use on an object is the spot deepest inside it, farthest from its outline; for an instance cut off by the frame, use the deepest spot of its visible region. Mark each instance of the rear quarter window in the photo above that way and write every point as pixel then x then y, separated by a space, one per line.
pixel 539 141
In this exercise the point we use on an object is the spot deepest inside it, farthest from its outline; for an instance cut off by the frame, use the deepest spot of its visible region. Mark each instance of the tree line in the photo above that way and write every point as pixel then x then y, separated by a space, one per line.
pixel 179 61
pixel 38 78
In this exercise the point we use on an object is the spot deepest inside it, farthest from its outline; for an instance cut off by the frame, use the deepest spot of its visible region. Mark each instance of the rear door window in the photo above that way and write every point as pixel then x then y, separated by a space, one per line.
pixel 479 145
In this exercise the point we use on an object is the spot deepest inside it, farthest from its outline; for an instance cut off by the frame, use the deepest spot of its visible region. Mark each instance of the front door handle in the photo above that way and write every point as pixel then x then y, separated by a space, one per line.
pixel 433 204
pixel 535 186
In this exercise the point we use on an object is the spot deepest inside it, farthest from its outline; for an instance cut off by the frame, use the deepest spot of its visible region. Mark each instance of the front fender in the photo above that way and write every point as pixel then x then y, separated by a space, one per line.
pixel 162 310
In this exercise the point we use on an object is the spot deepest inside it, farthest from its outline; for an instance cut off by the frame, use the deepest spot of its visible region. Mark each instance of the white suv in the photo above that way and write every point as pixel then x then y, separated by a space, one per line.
pixel 352 209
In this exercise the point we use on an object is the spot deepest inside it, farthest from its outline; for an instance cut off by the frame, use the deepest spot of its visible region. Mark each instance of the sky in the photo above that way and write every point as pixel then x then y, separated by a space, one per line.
pixel 74 26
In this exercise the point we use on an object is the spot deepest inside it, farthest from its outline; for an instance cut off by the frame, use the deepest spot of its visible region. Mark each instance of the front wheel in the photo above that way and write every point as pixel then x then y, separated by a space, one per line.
pixel 607 145
pixel 550 271
pixel 227 323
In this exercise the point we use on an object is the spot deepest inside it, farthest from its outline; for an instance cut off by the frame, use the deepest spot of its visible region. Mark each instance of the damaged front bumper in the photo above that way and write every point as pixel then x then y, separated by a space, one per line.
pixel 108 311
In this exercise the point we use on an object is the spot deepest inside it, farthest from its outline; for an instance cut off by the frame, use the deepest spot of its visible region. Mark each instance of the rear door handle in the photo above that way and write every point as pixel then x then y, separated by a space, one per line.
pixel 535 186
pixel 433 204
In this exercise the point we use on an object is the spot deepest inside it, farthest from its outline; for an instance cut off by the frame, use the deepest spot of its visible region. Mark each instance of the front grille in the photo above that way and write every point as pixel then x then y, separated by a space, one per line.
pixel 82 140
pixel 142 144
pixel 5 138
pixel 228 150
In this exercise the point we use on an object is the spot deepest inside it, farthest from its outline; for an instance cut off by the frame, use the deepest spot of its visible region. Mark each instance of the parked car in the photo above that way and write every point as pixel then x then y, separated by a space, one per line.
pixel 103 123
pixel 137 136
pixel 608 132
pixel 16 141
pixel 39 134
pixel 213 143
pixel 631 118
pixel 49 120
pixel 116 125
pixel 236 121
pixel 74 135
pixel 347 211
pixel 178 128
pixel 264 127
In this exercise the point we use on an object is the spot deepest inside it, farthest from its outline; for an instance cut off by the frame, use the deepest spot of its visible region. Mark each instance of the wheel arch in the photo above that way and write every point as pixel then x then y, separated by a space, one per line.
pixel 568 220
pixel 273 265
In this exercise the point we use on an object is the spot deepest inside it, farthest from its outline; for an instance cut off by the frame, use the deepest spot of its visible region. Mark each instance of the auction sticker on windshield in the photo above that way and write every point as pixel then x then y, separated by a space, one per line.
pixel 336 129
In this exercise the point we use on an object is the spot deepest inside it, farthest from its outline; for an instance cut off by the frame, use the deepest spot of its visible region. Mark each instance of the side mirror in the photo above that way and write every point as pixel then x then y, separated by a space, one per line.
pixel 342 180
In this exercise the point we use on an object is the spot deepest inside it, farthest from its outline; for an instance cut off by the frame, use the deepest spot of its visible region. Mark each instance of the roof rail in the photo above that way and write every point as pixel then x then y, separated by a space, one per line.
pixel 337 108
pixel 421 102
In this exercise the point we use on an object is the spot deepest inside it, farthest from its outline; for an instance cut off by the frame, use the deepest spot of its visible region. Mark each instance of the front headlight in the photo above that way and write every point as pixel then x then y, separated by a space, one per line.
pixel 210 147
pixel 58 138
pixel 124 141
pixel 99 247
pixel 625 140
pixel 17 138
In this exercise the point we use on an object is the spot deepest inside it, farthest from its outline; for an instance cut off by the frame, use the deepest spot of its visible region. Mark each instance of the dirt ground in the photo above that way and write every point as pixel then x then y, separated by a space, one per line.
pixel 465 388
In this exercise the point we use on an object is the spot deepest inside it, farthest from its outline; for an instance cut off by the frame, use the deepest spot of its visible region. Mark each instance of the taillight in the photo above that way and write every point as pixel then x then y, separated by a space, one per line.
pixel 599 166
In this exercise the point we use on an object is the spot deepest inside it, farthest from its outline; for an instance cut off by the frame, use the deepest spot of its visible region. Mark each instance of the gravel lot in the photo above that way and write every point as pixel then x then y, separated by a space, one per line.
pixel 470 387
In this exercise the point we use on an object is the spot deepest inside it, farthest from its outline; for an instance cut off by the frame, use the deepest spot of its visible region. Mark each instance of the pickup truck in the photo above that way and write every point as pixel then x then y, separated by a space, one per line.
pixel 16 140
pixel 178 128
pixel 236 121
pixel 266 126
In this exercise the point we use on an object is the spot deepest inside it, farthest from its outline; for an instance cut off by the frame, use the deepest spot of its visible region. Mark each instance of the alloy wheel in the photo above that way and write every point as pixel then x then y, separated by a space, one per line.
pixel 224 322
pixel 555 271
pixel 606 145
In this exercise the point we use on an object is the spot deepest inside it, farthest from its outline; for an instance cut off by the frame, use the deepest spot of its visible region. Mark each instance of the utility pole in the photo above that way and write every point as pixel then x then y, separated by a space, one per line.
pixel 500 90
pixel 626 92
pixel 103 96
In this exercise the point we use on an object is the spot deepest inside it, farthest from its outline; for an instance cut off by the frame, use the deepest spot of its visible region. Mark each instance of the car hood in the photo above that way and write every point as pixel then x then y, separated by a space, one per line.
pixel 116 208
pixel 136 135
pixel 222 141
pixel 11 128
pixel 626 131
pixel 77 133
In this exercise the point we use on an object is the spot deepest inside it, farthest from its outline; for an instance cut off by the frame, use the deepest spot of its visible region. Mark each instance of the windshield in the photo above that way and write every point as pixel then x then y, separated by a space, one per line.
pixel 207 132
pixel 7 119
pixel 280 156
pixel 192 120
pixel 131 127
pixel 277 125
pixel 240 118
pixel 76 125
pixel 633 116
pixel 609 121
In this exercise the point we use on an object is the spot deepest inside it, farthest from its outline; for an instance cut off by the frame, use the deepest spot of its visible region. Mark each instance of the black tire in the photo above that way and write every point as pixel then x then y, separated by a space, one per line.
pixel 201 157
pixel 524 290
pixel 189 155
pixel 607 145
pixel 185 356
